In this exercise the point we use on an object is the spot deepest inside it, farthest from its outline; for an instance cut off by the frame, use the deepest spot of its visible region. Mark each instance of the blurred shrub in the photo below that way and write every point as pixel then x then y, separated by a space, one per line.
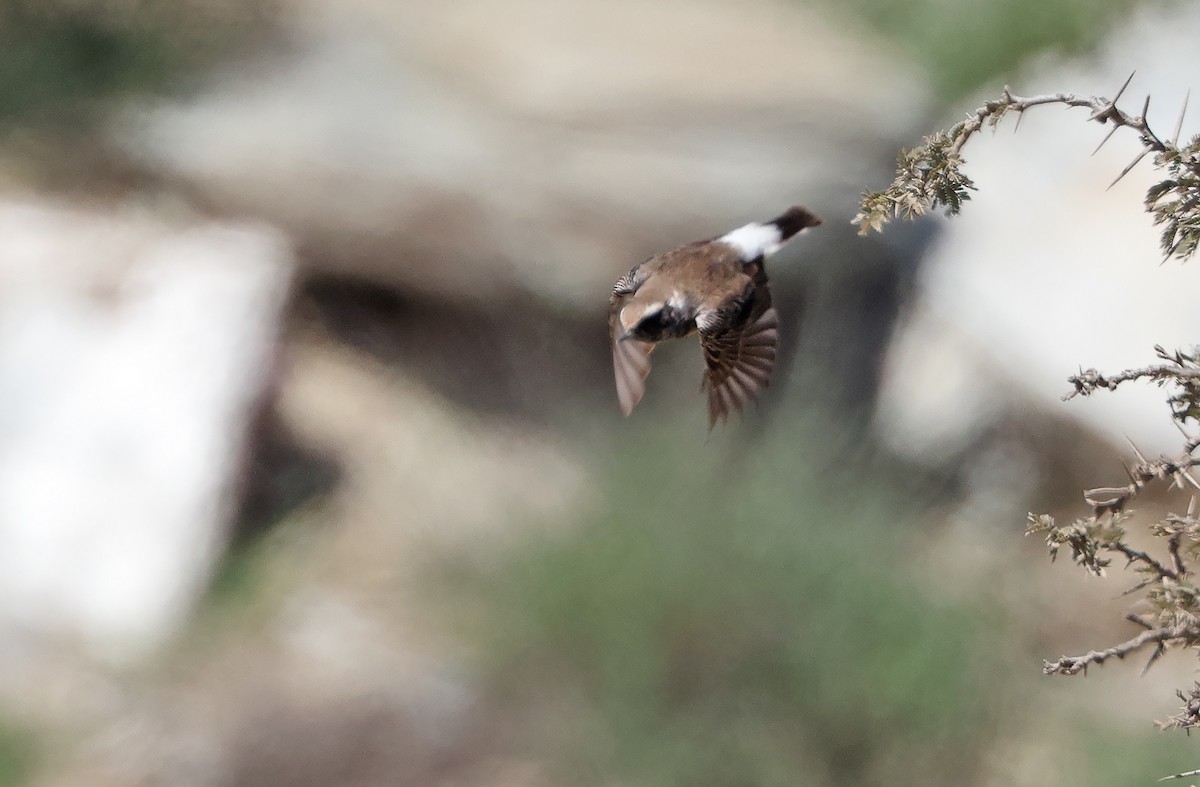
pixel 965 45
pixel 60 61
pixel 18 755
pixel 1119 758
pixel 757 629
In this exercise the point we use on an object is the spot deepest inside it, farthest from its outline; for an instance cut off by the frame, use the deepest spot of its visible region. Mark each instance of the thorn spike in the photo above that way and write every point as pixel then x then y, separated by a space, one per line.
pixel 1141 457
pixel 1020 117
pixel 1107 137
pixel 1129 79
pixel 1125 171
pixel 1179 122
pixel 1155 656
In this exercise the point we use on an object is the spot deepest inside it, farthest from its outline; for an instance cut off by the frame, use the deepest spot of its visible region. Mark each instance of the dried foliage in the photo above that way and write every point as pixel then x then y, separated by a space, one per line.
pixel 930 177
pixel 1170 598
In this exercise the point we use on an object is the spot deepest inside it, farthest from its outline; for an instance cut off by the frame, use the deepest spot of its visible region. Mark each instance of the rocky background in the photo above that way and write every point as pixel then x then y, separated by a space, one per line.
pixel 311 470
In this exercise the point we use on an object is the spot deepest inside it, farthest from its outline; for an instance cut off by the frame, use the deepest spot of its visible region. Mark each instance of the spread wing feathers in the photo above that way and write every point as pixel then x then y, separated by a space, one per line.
pixel 631 357
pixel 740 361
pixel 631 364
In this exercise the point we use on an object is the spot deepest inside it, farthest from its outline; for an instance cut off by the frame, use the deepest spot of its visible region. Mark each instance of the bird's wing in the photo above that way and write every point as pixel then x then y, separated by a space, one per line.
pixel 740 351
pixel 631 357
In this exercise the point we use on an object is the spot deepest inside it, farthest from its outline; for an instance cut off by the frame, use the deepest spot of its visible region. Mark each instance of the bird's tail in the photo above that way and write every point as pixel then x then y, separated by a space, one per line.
pixel 757 240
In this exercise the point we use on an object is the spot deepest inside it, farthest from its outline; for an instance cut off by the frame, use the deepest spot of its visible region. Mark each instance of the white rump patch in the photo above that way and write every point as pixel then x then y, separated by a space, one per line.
pixel 754 240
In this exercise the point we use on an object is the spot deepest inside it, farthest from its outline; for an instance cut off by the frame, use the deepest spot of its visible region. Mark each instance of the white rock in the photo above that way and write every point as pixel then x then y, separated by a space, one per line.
pixel 131 357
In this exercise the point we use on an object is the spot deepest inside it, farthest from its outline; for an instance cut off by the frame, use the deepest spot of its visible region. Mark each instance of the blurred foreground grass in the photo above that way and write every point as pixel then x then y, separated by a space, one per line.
pixel 19 753
pixel 727 623
pixel 759 621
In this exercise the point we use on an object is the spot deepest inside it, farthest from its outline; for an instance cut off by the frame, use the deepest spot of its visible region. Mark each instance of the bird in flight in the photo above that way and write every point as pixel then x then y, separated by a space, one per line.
pixel 717 288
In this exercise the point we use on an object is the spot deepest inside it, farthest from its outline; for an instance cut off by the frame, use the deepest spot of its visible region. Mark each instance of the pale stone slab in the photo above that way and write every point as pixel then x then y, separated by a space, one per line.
pixel 132 355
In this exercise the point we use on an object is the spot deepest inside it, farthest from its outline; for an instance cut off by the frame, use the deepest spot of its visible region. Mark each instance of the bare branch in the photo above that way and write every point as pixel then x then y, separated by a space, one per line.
pixel 1137 556
pixel 1173 551
pixel 1071 665
pixel 1183 775
pixel 1113 499
pixel 1089 381
pixel 930 176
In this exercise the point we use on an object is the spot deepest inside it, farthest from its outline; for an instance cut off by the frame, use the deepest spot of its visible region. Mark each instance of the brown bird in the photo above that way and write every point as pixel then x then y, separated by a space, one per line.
pixel 715 287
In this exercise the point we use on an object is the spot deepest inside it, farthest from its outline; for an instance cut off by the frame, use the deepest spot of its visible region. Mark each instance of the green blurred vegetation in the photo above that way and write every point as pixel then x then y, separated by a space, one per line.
pixel 758 629
pixel 739 616
pixel 964 45
pixel 18 754
pixel 1112 757
pixel 59 69
pixel 60 61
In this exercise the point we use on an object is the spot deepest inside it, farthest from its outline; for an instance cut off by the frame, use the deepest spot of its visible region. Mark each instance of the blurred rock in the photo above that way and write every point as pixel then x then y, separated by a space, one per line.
pixel 1047 270
pixel 336 663
pixel 132 354
pixel 420 475
pixel 476 149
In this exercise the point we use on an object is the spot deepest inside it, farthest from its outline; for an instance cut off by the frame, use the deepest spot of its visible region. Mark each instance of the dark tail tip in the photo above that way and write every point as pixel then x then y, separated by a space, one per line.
pixel 795 219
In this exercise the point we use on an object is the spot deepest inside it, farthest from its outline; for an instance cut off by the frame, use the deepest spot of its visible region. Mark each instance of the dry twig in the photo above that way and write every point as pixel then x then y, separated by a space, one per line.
pixel 930 176
pixel 1070 665
pixel 1167 585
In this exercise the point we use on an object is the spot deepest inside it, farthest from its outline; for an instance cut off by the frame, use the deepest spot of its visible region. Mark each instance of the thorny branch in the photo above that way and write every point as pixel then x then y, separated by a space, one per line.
pixel 1112 499
pixel 1168 586
pixel 930 176
pixel 1090 381
pixel 1185 774
pixel 1188 717
pixel 1070 665
pixel 1181 370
